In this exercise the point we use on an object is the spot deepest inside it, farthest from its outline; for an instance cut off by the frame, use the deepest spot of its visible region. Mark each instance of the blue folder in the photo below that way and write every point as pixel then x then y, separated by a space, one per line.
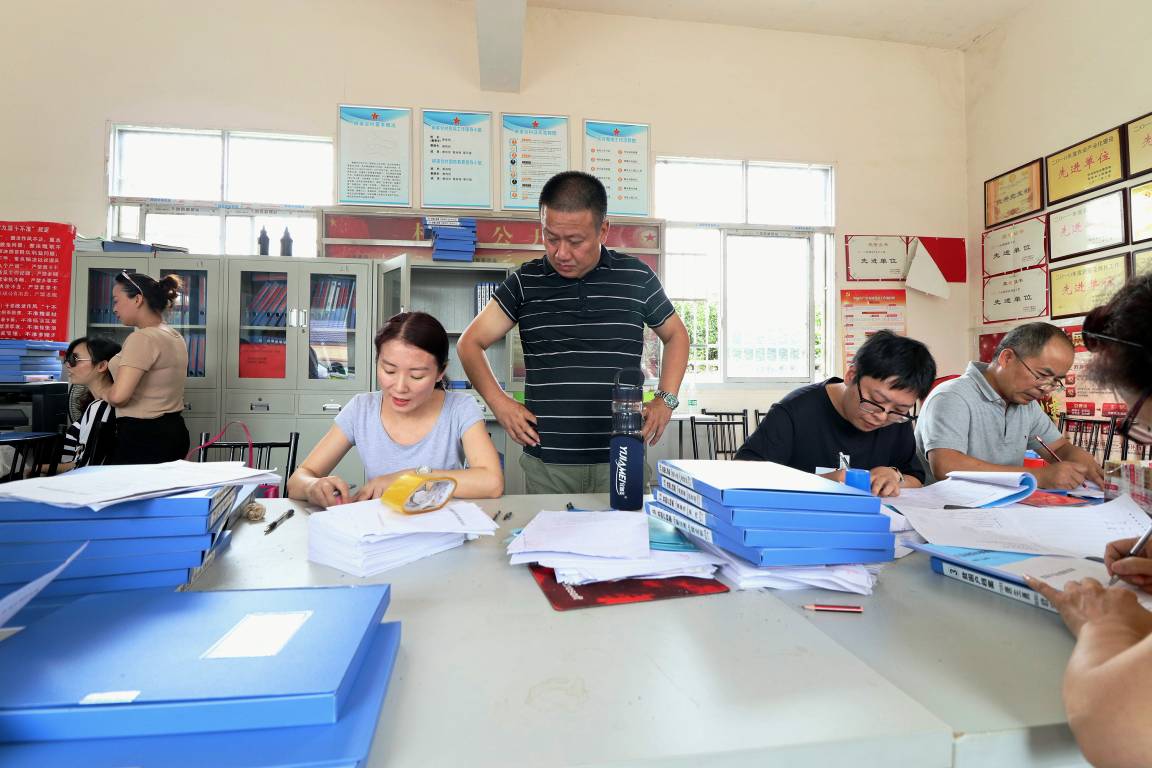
pixel 345 743
pixel 161 663
pixel 101 566
pixel 771 556
pixel 59 551
pixel 113 528
pixel 766 484
pixel 63 586
pixel 188 504
pixel 769 537
pixel 668 494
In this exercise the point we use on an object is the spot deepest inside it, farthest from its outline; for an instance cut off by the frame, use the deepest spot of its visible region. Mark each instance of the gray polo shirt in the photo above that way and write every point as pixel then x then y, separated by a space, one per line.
pixel 967 415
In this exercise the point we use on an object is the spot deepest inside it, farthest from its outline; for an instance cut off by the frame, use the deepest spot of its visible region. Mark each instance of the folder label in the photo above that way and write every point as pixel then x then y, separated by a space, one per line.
pixel 110 697
pixel 258 634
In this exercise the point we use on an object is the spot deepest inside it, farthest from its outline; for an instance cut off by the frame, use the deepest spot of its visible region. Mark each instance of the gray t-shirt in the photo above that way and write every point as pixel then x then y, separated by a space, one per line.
pixel 440 448
pixel 967 415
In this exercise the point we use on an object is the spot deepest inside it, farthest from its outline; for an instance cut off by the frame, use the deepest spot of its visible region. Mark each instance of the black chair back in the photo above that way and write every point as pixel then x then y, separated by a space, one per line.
pixel 34 455
pixel 261 453
pixel 1114 423
pixel 1083 433
pixel 723 436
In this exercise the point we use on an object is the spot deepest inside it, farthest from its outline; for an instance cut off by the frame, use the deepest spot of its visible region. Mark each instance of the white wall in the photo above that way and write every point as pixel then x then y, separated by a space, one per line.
pixel 890 116
pixel 1059 72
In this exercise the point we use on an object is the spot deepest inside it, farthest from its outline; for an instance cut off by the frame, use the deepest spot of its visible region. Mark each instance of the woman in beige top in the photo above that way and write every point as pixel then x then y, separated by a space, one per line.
pixel 149 373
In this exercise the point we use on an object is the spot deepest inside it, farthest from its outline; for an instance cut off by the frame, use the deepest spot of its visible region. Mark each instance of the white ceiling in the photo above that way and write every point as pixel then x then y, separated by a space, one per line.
pixel 937 23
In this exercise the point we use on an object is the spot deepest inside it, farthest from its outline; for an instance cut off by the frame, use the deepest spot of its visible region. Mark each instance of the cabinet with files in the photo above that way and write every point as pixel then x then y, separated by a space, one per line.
pixel 299 347
pixel 192 315
pixel 454 293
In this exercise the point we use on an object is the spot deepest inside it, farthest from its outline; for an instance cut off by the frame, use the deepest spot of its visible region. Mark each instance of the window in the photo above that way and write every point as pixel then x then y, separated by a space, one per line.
pixel 746 265
pixel 213 191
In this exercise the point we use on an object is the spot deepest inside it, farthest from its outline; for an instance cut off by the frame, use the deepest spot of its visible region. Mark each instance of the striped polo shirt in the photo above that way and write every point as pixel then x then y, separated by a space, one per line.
pixel 576 334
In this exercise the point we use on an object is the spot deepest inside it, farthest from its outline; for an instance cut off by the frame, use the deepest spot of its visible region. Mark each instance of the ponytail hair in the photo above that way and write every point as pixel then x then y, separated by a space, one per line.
pixel 159 295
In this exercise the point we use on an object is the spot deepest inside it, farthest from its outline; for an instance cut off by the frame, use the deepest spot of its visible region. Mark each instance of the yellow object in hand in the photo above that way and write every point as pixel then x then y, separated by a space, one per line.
pixel 412 494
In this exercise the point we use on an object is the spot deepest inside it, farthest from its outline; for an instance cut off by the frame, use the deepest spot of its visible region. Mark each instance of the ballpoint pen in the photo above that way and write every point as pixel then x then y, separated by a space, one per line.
pixel 1139 545
pixel 275 523
pixel 1043 445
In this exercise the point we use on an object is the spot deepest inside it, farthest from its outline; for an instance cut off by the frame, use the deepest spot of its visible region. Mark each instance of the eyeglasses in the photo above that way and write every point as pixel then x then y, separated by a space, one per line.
pixel 1092 341
pixel 128 277
pixel 866 405
pixel 71 360
pixel 1132 429
pixel 1047 383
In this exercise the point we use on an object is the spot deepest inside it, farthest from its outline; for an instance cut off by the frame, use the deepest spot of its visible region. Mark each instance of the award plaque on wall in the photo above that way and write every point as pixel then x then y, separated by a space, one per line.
pixel 1084 167
pixel 1140 205
pixel 1078 288
pixel 1141 262
pixel 1013 247
pixel 1138 134
pixel 1087 227
pixel 1014 194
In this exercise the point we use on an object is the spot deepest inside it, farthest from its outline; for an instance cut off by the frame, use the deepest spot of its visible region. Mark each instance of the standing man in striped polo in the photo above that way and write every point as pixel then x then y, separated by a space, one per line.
pixel 582 311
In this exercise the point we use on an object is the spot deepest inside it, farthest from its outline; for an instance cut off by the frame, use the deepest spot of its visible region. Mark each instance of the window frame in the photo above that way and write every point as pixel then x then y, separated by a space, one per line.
pixel 221 208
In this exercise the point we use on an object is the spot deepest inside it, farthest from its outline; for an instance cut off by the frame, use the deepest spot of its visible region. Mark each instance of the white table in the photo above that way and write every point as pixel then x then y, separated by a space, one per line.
pixel 490 675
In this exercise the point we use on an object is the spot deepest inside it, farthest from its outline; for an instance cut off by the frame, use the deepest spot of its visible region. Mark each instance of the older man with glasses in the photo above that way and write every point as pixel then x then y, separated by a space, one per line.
pixel 986 419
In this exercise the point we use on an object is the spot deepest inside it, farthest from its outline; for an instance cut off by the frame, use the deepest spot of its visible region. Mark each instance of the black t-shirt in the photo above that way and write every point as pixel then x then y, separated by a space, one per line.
pixel 804 431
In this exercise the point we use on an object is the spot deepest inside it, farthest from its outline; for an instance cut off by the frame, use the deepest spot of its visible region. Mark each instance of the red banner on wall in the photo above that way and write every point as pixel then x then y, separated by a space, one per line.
pixel 35 279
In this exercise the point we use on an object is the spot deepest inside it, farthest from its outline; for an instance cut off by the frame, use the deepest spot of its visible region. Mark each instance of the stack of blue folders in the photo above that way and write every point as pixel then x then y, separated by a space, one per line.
pixel 453 239
pixel 24 360
pixel 272 677
pixel 164 542
pixel 770 514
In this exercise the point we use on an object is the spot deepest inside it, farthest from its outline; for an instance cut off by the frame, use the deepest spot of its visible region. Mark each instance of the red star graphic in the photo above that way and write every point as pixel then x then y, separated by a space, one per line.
pixel 535 123
pixel 455 121
pixel 615 131
pixel 375 116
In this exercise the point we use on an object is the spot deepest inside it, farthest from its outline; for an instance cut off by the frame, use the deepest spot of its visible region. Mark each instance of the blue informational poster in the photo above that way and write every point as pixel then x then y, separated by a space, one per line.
pixel 618 155
pixel 457 154
pixel 374 165
pixel 533 149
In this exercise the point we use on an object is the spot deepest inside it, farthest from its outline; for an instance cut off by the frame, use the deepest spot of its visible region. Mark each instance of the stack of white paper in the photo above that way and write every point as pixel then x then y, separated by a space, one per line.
pixel 585 547
pixel 366 537
pixel 741 574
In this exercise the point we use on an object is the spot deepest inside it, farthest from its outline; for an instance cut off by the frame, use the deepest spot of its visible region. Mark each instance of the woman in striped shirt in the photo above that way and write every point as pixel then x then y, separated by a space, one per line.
pixel 92 437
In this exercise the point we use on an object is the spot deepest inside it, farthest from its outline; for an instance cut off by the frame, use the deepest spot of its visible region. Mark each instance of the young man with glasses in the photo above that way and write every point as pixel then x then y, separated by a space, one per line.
pixel 867 416
pixel 986 419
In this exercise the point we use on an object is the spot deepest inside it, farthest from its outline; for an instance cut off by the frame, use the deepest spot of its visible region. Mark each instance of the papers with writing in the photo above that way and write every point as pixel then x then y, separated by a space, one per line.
pixel 1068 531
pixel 112 484
pixel 743 575
pixel 972 489
pixel 599 534
pixel 584 569
pixel 12 603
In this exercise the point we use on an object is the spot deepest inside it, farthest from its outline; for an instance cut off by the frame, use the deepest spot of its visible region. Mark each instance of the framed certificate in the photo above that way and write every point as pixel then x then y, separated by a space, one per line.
pixel 1014 194
pixel 1138 137
pixel 1140 206
pixel 1078 288
pixel 1019 295
pixel 1141 262
pixel 1084 167
pixel 876 257
pixel 1015 246
pixel 1087 227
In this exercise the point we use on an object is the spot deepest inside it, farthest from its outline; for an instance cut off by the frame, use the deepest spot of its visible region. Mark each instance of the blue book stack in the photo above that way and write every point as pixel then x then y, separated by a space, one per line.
pixel 453 237
pixel 152 543
pixel 288 677
pixel 772 515
pixel 24 360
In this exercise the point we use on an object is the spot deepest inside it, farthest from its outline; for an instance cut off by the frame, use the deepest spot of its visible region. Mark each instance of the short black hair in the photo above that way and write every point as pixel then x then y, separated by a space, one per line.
pixel 575 191
pixel 886 355
pixel 1029 340
pixel 1126 360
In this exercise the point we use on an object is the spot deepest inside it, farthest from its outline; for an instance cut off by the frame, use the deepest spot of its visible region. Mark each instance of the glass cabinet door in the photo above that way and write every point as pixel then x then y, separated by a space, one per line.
pixel 261 349
pixel 96 276
pixel 394 288
pixel 335 327
pixel 195 315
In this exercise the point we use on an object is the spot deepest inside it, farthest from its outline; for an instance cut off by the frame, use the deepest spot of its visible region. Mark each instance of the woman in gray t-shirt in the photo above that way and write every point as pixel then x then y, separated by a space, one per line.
pixel 412 424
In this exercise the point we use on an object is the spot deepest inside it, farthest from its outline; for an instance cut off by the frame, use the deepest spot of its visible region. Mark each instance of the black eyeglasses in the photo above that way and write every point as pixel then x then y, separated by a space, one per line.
pixel 1134 430
pixel 128 277
pixel 72 359
pixel 876 409
pixel 1048 383
pixel 1092 341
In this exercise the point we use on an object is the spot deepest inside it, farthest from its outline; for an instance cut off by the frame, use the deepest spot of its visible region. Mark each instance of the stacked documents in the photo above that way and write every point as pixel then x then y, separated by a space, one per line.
pixel 161 542
pixel 24 360
pixel 366 537
pixel 743 575
pixel 584 547
pixel 771 515
pixel 284 677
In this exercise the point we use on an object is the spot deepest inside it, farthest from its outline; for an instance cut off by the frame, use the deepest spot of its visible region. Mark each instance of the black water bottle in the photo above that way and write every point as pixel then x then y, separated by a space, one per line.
pixel 626 448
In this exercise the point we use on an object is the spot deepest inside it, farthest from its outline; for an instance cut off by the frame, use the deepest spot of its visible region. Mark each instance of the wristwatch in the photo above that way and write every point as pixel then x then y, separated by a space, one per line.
pixel 669 399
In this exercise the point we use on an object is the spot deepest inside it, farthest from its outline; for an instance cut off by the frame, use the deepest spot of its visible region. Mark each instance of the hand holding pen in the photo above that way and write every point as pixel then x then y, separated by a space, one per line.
pixel 1127 559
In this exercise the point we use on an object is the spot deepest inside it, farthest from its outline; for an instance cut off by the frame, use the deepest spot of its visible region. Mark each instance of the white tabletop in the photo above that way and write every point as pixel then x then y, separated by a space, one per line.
pixel 490 675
